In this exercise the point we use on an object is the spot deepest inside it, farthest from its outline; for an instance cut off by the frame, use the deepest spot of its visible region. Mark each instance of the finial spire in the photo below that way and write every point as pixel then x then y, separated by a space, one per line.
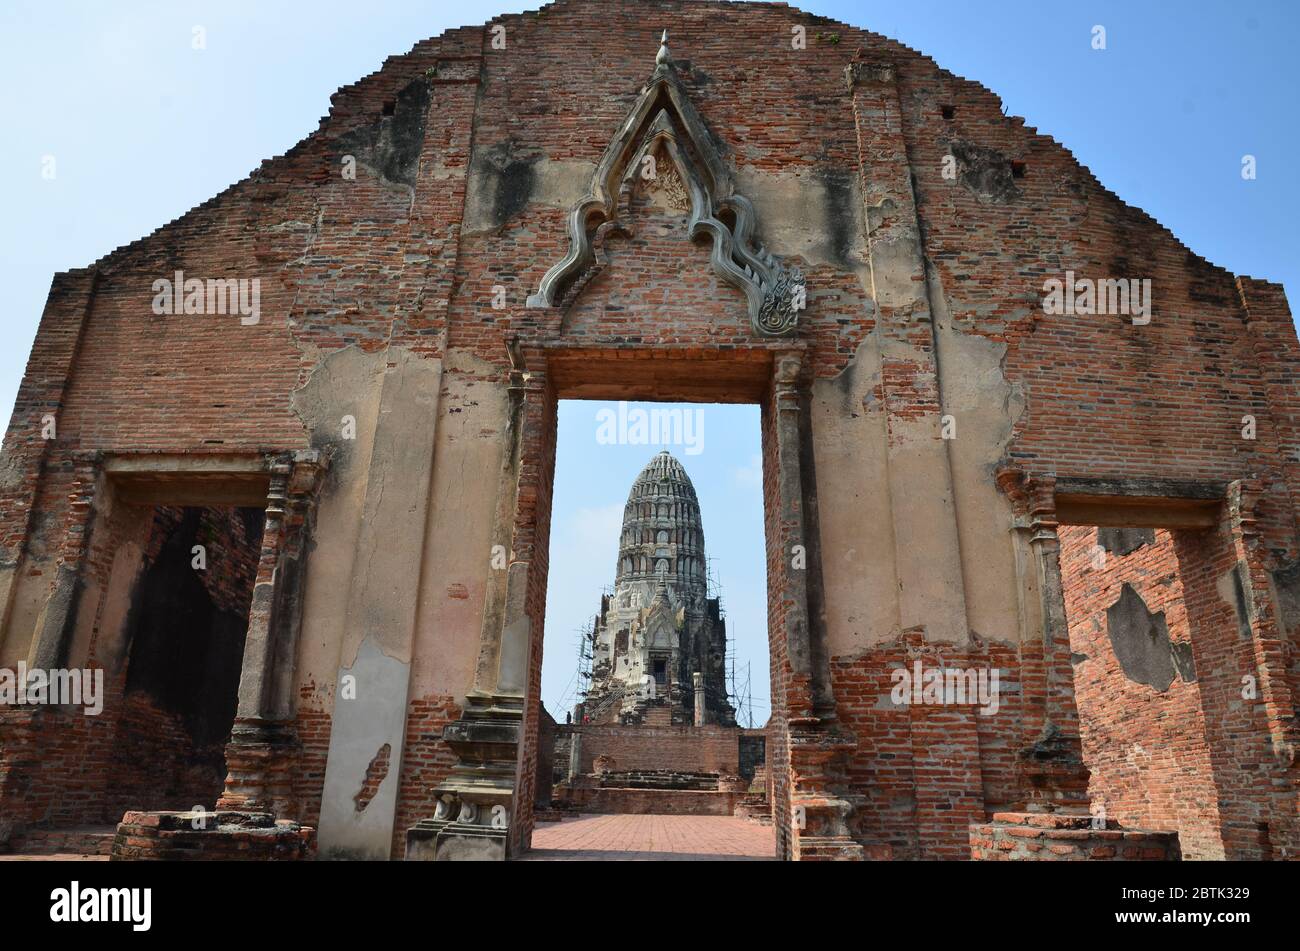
pixel 664 56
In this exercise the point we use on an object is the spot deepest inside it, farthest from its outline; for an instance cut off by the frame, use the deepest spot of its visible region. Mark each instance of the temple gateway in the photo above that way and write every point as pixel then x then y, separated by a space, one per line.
pixel 307 552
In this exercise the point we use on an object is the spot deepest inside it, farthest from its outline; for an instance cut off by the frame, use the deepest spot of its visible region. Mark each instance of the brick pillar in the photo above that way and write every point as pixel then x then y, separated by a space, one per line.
pixel 26 446
pixel 931 593
pixel 1051 761
pixel 263 748
pixel 1276 353
pixel 483 810
pixel 49 644
pixel 1268 655
pixel 26 731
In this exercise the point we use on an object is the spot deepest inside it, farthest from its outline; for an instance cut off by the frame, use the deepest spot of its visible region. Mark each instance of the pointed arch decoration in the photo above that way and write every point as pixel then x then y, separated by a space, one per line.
pixel 664 120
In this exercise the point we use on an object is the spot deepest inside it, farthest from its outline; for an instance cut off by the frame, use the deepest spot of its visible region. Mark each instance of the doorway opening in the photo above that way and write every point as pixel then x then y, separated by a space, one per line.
pixel 655 695
pixel 184 643
pixel 1160 644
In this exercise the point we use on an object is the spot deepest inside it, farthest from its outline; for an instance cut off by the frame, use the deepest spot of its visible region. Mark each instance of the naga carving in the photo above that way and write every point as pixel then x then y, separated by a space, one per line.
pixel 664 122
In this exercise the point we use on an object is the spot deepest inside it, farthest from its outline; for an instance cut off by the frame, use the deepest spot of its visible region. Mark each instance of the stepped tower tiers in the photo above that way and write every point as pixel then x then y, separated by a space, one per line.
pixel 660 639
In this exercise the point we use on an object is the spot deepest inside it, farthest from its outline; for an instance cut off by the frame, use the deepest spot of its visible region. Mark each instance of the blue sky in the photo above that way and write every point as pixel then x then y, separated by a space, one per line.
pixel 143 127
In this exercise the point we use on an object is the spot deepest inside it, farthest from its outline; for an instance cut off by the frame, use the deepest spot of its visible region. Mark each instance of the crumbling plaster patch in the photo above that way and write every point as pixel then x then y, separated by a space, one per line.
pixel 344 382
pixel 857 543
pixel 985 408
pixel 372 721
pixel 1140 640
pixel 809 215
pixel 471 440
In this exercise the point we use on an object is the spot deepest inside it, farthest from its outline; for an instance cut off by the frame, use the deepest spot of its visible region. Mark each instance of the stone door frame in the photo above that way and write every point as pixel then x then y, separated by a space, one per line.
pixel 260 756
pixel 484 808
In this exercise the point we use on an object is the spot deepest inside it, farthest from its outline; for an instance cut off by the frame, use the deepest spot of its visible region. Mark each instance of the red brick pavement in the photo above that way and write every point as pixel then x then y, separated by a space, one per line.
pixel 652 838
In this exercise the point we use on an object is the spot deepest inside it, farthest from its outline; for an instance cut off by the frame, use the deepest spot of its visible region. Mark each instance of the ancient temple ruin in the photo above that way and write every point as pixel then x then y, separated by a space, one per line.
pixel 660 640
pixel 1090 511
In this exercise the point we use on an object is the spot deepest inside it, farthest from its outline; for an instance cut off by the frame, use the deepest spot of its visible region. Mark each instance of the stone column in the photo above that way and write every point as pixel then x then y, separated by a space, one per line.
pixel 697 681
pixel 477 814
pixel 820 807
pixel 1052 767
pixel 263 747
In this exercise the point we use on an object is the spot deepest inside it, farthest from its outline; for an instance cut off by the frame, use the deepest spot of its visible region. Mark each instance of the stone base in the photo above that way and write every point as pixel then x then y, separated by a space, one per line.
pixel 754 809
pixel 812 848
pixel 437 840
pixel 224 836
pixel 1058 837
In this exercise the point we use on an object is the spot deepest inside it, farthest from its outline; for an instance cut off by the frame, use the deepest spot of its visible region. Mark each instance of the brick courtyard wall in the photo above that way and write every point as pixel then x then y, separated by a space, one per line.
pixel 687 749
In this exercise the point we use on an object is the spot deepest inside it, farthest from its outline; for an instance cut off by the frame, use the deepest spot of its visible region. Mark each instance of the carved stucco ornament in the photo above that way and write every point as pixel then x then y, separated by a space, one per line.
pixel 663 121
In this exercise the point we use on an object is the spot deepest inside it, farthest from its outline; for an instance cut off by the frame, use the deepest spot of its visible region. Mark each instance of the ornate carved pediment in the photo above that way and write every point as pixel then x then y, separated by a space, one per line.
pixel 664 123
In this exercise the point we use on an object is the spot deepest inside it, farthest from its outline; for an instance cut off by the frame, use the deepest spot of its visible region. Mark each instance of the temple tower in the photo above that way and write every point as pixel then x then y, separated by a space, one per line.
pixel 659 628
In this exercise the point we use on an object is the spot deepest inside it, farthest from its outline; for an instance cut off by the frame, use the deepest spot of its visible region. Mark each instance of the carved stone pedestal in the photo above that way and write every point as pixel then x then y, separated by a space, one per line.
pixel 471 821
pixel 821 810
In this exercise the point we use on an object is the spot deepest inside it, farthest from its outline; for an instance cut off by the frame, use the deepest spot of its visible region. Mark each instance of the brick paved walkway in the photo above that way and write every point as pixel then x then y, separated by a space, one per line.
pixel 55 857
pixel 652 838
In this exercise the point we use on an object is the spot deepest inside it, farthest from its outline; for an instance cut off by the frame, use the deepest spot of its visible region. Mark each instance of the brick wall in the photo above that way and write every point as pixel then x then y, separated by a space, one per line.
pixel 1146 748
pixel 705 749
pixel 927 772
pixel 1185 753
pixel 377 259
pixel 426 759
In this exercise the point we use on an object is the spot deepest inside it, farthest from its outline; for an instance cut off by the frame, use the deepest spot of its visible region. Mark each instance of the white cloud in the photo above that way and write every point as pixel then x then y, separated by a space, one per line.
pixel 750 476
